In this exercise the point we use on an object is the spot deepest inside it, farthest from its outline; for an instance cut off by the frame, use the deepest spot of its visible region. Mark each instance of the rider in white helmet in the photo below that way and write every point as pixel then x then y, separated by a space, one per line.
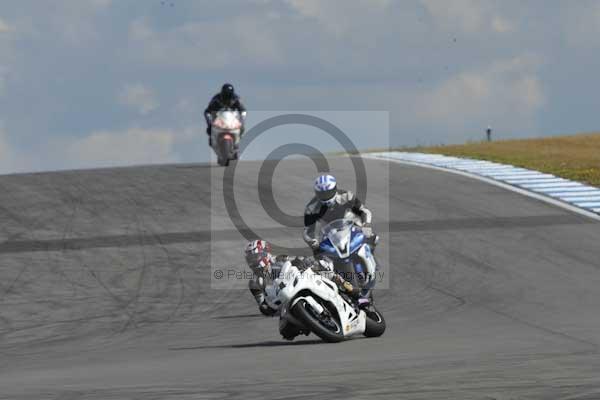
pixel 330 203
pixel 266 268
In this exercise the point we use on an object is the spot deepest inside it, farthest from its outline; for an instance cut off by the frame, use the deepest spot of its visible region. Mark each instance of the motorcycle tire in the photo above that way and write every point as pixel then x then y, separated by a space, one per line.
pixel 375 322
pixel 225 148
pixel 300 310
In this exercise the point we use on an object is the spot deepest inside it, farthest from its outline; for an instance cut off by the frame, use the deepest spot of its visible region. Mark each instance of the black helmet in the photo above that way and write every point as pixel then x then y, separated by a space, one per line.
pixel 227 93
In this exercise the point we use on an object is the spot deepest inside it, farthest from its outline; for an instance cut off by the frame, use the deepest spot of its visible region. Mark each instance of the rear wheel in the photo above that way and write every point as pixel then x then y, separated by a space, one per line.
pixel 323 325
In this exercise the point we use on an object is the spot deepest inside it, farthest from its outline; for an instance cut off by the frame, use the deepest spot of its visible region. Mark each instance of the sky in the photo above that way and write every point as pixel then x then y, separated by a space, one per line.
pixel 90 83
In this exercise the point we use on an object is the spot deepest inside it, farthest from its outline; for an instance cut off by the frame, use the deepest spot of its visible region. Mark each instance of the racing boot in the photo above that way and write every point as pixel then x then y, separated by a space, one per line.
pixel 259 296
pixel 365 299
pixel 266 310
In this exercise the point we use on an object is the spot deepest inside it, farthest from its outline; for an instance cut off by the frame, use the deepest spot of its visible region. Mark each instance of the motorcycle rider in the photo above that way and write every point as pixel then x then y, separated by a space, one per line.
pixel 226 98
pixel 266 268
pixel 330 203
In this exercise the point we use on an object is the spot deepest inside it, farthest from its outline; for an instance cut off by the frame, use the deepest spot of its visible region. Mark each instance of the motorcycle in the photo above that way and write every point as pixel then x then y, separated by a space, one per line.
pixel 309 302
pixel 343 241
pixel 226 128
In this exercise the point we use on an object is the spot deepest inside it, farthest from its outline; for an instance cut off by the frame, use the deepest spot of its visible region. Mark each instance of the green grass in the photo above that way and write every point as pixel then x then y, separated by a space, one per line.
pixel 575 157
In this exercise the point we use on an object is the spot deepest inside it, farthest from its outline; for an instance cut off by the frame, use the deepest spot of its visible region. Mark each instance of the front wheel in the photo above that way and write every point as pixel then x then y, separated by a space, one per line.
pixel 323 325
pixel 375 323
pixel 225 152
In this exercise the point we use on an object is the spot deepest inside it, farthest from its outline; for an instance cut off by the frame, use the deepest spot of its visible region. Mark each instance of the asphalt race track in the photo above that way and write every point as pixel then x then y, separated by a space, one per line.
pixel 106 290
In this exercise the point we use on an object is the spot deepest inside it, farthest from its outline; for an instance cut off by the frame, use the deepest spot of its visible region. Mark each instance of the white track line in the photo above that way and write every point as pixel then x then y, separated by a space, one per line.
pixel 545 192
pixel 575 194
pixel 578 199
pixel 568 189
pixel 588 204
pixel 534 180
pixel 521 175
pixel 500 171
pixel 557 185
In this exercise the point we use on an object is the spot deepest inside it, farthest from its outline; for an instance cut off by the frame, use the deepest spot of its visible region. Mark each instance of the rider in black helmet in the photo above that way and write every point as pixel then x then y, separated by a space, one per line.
pixel 226 98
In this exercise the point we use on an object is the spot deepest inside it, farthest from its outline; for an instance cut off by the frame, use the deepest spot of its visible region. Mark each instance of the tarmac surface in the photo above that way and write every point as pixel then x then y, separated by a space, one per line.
pixel 108 290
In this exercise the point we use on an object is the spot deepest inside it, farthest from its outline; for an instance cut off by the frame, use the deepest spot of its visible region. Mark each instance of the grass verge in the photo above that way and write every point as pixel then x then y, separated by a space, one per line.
pixel 575 157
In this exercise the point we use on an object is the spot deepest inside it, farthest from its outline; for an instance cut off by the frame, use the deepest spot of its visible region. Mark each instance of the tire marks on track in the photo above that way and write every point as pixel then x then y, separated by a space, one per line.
pixel 143 238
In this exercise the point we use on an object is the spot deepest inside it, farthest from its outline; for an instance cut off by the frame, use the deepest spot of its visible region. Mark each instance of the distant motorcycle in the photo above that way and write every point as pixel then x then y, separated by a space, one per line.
pixel 309 302
pixel 226 127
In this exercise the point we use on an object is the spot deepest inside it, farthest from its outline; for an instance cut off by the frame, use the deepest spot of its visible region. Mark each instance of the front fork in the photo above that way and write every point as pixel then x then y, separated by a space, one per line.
pixel 369 274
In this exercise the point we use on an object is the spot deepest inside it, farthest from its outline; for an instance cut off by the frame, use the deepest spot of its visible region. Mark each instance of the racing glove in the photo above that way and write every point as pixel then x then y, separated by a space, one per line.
pixel 367 230
pixel 314 244
pixel 350 290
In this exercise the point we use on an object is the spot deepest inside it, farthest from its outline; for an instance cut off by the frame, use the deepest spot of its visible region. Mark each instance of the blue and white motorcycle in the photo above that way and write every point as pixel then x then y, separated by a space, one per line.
pixel 343 241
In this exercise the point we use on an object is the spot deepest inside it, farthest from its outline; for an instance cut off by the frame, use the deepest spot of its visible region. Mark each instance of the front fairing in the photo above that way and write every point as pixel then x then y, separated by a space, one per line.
pixel 341 239
pixel 309 286
pixel 227 121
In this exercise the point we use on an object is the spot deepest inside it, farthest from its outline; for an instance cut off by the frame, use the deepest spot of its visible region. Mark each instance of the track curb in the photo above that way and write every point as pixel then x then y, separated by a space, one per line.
pixel 570 195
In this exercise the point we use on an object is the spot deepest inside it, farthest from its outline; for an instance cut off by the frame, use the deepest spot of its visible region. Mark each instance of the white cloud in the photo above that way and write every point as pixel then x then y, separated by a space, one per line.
pixel 509 91
pixel 341 17
pixel 100 3
pixel 324 10
pixel 502 25
pixel 397 56
pixel 141 97
pixel 7 36
pixel 11 159
pixel 139 29
pixel 581 24
pixel 6 52
pixel 132 146
pixel 3 73
pixel 242 40
pixel 74 21
pixel 5 27
pixel 468 16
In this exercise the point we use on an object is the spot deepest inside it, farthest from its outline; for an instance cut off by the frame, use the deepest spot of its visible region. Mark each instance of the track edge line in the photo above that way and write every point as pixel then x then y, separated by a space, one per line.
pixel 524 192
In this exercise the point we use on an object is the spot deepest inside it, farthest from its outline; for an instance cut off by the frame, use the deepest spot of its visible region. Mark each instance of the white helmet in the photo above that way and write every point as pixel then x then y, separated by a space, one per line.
pixel 326 189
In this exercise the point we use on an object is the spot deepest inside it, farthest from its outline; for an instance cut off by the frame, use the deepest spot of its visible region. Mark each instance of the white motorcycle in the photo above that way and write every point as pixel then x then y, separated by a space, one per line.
pixel 309 302
pixel 226 128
